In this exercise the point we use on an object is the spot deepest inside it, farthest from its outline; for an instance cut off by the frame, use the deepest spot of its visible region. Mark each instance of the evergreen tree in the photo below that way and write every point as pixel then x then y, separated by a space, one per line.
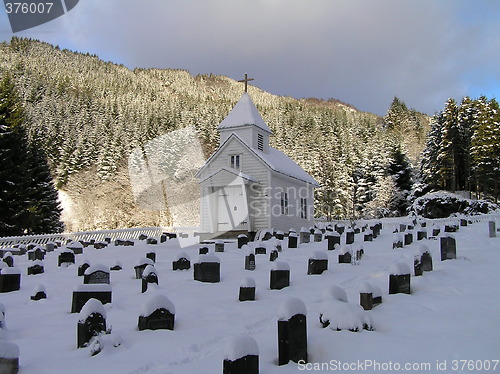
pixel 401 171
pixel 14 202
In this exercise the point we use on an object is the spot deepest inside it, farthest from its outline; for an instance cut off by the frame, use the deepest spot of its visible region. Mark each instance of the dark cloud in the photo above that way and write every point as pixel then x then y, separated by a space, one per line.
pixel 363 52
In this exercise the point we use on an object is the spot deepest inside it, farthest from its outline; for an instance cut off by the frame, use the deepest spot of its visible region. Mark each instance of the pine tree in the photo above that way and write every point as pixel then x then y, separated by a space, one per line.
pixel 401 171
pixel 449 147
pixel 14 203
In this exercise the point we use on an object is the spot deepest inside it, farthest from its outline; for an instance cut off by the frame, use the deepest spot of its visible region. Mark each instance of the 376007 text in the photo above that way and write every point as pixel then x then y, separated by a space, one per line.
pixel 28 8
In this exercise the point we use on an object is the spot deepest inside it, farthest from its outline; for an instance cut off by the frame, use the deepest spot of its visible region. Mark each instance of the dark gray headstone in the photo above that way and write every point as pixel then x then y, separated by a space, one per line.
pixel 349 237
pixel 39 296
pixel 36 254
pixel 435 232
pixel 408 238
pixel 346 258
pixel 492 229
pixel 273 255
pixel 292 241
pixel 207 272
pixel 417 266
pixel 151 256
pixel 66 258
pixel 181 264
pixel 242 240
pixel 91 327
pixel 366 300
pixel 332 240
pixel 316 266
pixel 9 260
pixel 82 268
pixel 248 364
pixel 9 364
pixel 219 246
pixel 448 248
pixel 368 237
pixel 292 340
pixel 399 283
pixel 279 279
pixel 96 277
pixel 160 319
pixel 451 228
pixel 421 235
pixel 82 295
pixel 247 294
pixel 203 251
pixel 305 237
pixel 35 269
pixel 426 261
pixel 10 282
pixel 250 262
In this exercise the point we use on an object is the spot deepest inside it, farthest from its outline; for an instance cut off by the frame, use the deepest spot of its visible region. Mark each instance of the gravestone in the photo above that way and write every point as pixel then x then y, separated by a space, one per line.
pixel 345 256
pixel 292 332
pixel 421 235
pixel 119 242
pixel 318 235
pixel 247 290
pixel 163 238
pixel 151 255
pixel 273 255
pixel 450 228
pixel 318 263
pixel 207 269
pixel 426 261
pixel 436 231
pixel 279 276
pixel 84 292
pixel 368 236
pixel 151 241
pixel 376 230
pixel 241 356
pixel 250 262
pixel 9 357
pixel 260 249
pixel 349 236
pixel 182 262
pixel 140 265
pixel 157 314
pixel 170 235
pixel 242 240
pixel 84 266
pixel 75 247
pixel 129 243
pixel 417 266
pixel 399 278
pixel 149 275
pixel 66 257
pixel 10 279
pixel 359 254
pixel 292 240
pixel 402 227
pixel 35 268
pixel 100 245
pixel 91 323
pixel 8 259
pixel 366 296
pixel 96 274
pixel 397 241
pixel 463 222
pixel 107 239
pixel 305 235
pixel 448 248
pixel 332 239
pixel 408 238
pixel 39 293
pixel 36 254
pixel 203 251
pixel 340 228
pixel 267 235
pixel 117 266
pixel 219 246
pixel 492 229
pixel 143 237
pixel 280 235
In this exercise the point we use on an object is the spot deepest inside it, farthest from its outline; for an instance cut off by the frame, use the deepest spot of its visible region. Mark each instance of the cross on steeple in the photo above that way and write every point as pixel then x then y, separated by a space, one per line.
pixel 246 80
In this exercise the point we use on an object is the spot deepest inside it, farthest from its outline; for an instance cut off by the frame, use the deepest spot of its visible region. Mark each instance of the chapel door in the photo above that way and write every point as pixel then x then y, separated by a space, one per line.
pixel 232 209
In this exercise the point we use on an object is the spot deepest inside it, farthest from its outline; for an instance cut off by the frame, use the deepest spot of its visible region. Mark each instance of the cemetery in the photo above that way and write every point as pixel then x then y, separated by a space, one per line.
pixel 240 311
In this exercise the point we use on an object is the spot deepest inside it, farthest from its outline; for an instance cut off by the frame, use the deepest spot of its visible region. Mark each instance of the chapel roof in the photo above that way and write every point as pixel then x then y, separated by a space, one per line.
pixel 244 113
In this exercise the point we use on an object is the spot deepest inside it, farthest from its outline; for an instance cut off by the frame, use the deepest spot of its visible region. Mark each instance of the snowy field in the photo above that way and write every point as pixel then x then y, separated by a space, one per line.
pixel 452 314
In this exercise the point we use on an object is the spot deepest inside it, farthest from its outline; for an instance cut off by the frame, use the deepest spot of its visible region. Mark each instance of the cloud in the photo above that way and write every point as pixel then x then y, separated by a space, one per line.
pixel 363 52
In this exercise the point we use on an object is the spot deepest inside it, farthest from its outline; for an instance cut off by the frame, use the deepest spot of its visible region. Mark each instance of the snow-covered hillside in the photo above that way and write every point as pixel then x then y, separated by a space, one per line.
pixel 452 314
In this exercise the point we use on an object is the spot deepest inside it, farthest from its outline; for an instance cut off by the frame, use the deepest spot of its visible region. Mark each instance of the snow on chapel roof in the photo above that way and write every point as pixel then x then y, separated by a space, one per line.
pixel 244 113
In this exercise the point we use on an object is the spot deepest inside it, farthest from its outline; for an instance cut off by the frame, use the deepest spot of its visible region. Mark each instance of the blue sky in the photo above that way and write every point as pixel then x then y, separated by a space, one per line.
pixel 363 52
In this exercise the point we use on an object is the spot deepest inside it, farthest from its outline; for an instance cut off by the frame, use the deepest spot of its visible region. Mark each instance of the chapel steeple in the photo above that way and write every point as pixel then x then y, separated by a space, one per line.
pixel 245 121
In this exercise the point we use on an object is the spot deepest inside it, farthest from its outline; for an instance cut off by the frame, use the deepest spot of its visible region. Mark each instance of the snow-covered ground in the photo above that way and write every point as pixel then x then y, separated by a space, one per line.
pixel 453 313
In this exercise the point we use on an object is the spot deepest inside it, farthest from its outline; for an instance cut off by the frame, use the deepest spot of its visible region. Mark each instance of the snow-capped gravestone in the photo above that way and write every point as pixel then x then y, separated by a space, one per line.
pixel 451 228
pixel 96 274
pixel 241 356
pixel 207 268
pixel 100 245
pixel 36 254
pixel 149 275
pixel 247 290
pixel 408 237
pixel 421 234
pixel 140 265
pixel 292 331
pixel 292 240
pixel 332 239
pixel 8 259
pixel 279 275
pixel 151 255
pixel 334 292
pixel 85 292
pixel 66 257
pixel 36 267
pixel 91 322
pixel 369 296
pixel 448 248
pixel 181 262
pixel 436 231
pixel 75 247
pixel 318 263
pixel 242 240
pixel 339 227
pixel 249 259
pixel 50 246
pixel 397 241
pixel 10 279
pixel 203 250
pixel 368 237
pixel 318 235
pixel 273 255
pixel 305 235
pixel 339 316
pixel 345 255
pixel 9 357
pixel 492 229
pixel 39 293
pixel 349 236
pixel 260 249
pixel 399 278
pixel 219 246
pixel 280 235
pixel 151 241
pixel 82 267
pixel 117 266
pixel 157 314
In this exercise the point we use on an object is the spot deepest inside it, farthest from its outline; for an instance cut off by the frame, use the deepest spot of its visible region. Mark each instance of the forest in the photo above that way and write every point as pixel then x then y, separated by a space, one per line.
pixel 87 116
